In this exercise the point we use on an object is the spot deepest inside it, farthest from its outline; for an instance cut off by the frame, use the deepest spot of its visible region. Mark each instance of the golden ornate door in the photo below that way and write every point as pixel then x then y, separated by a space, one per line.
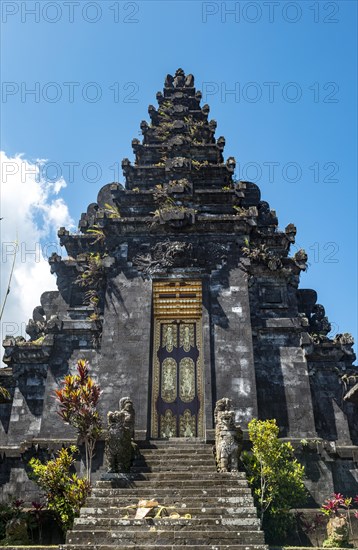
pixel 177 390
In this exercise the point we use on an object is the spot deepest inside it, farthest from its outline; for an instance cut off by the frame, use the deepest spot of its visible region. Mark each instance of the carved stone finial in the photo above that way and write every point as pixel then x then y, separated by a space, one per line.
pixel 189 81
pixel 319 323
pixel 228 437
pixel 345 339
pixel 37 325
pixel 300 259
pixel 205 109
pixel 119 447
pixel 168 81
pixel 231 164
pixel 144 127
pixel 179 78
pixel 221 142
pixel 290 231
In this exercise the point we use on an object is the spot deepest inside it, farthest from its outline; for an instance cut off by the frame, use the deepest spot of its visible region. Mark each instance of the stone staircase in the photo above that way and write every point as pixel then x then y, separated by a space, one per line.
pixel 179 474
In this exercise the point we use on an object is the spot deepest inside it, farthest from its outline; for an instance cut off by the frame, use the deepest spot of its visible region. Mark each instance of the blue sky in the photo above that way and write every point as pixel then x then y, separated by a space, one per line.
pixel 291 123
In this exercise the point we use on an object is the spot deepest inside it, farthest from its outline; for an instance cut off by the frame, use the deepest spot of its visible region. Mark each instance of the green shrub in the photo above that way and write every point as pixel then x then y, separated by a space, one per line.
pixel 64 491
pixel 275 477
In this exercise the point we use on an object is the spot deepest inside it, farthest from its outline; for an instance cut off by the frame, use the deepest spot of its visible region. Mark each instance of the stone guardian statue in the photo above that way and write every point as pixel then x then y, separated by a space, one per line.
pixel 228 437
pixel 119 447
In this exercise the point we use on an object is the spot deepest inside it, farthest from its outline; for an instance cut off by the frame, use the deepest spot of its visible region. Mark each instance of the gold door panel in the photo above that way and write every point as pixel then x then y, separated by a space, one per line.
pixel 177 383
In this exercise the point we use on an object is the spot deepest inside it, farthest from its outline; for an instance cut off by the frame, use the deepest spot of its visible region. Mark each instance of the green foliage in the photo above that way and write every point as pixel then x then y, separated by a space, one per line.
pixel 16 523
pixel 275 476
pixel 197 164
pixel 4 395
pixel 93 274
pixel 65 492
pixel 10 512
pixel 78 399
pixel 112 211
pixel 38 341
pixel 5 515
pixel 93 278
pixel 98 233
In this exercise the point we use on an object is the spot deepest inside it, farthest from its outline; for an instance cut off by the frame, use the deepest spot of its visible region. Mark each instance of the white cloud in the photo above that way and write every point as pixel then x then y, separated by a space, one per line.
pixel 32 212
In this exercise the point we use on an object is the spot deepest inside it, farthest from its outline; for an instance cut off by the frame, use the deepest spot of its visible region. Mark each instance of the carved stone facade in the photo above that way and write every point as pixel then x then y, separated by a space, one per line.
pixel 181 218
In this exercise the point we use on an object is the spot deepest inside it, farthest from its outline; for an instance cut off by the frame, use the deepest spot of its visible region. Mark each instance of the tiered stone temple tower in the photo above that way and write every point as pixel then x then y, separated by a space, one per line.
pixel 181 290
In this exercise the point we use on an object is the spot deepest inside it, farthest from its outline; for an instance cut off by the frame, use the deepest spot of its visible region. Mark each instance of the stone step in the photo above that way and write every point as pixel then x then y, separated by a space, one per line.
pixel 171 444
pixel 182 491
pixel 49 547
pixel 177 452
pixel 182 477
pixel 168 465
pixel 213 511
pixel 204 537
pixel 97 523
pixel 184 474
pixel 170 482
pixel 164 547
pixel 174 441
pixel 196 501
pixel 159 458
pixel 240 476
pixel 175 467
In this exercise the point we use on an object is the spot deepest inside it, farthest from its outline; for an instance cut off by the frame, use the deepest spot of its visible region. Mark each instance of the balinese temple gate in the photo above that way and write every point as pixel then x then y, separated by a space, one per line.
pixel 181 289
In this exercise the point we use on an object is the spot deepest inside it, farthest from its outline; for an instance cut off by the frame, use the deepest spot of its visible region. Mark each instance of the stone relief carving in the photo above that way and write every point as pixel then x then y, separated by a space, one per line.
pixel 162 255
pixel 228 437
pixel 345 339
pixel 119 447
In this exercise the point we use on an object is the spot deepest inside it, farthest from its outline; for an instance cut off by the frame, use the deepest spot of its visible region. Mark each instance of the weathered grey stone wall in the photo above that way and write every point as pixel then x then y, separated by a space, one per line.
pixel 27 404
pixel 52 426
pixel 335 420
pixel 124 364
pixel 232 358
pixel 326 474
pixel 208 361
pixel 282 379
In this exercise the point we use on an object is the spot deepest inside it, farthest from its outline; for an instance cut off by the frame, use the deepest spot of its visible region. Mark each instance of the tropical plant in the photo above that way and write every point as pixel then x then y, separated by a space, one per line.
pixel 112 211
pixel 36 518
pixel 13 524
pixel 64 491
pixel 310 525
pixel 275 476
pixel 98 233
pixel 339 525
pixel 93 278
pixel 78 399
pixel 4 394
